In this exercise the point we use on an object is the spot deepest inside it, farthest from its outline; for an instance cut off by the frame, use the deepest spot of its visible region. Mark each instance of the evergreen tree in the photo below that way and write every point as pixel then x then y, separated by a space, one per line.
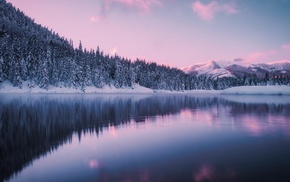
pixel 24 69
pixel 2 75
pixel 44 74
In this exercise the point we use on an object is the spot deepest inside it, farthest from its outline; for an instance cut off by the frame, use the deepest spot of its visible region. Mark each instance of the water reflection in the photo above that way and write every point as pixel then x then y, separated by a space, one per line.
pixel 32 126
pixel 208 172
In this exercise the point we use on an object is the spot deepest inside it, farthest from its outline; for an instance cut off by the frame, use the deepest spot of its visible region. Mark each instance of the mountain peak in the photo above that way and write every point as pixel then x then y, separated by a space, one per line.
pixel 237 68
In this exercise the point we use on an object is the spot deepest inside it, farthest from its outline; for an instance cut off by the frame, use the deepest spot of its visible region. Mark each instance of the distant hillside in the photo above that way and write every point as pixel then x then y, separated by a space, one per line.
pixel 32 54
pixel 272 73
pixel 238 69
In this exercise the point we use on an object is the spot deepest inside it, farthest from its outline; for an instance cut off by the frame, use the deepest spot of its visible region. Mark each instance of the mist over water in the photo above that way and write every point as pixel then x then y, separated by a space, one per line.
pixel 142 137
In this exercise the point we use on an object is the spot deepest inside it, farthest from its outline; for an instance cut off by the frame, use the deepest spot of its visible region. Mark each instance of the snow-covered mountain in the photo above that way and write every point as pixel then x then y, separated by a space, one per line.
pixel 238 69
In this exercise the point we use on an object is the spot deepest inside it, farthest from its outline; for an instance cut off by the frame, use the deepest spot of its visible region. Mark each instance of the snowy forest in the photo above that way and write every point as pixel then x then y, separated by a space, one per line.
pixel 34 55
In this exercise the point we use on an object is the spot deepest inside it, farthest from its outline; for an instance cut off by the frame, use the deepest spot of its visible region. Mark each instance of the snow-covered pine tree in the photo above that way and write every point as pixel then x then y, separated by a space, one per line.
pixel 2 74
pixel 80 68
pixel 44 67
pixel 120 73
pixel 87 68
pixel 133 74
pixel 24 69
pixel 76 75
pixel 54 64
pixel 15 57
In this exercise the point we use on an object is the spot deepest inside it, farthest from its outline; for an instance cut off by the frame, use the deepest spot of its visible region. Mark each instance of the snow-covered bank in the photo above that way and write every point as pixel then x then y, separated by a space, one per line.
pixel 258 90
pixel 7 87
pixel 260 99
pixel 189 92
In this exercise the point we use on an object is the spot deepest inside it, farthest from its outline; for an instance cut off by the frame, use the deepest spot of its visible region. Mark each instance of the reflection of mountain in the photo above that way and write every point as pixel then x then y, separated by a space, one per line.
pixel 32 126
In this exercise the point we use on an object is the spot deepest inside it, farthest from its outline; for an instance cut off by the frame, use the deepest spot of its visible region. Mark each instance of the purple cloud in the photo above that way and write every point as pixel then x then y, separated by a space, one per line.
pixel 286 47
pixel 96 19
pixel 209 11
pixel 140 5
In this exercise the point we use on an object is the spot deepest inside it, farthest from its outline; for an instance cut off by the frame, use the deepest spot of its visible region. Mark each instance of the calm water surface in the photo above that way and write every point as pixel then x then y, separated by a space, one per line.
pixel 144 138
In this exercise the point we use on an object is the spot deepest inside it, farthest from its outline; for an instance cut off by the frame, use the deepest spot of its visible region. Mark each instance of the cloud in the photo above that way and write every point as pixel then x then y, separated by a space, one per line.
pixel 140 5
pixel 96 19
pixel 260 56
pixel 286 47
pixel 280 61
pixel 209 11
pixel 113 51
pixel 280 54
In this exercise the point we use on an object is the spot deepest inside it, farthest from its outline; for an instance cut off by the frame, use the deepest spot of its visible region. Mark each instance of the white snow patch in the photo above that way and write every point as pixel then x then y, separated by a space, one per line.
pixel 258 90
pixel 7 87
pixel 212 68
pixel 261 99
pixel 189 92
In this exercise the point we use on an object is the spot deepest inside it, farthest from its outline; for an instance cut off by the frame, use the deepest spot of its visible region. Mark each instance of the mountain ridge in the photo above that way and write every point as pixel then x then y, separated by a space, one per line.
pixel 238 69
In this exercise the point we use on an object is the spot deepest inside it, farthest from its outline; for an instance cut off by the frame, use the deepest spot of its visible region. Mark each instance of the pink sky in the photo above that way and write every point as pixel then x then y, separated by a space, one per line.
pixel 171 32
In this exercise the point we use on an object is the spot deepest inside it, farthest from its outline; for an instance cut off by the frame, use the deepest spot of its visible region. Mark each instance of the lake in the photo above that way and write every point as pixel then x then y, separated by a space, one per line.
pixel 95 137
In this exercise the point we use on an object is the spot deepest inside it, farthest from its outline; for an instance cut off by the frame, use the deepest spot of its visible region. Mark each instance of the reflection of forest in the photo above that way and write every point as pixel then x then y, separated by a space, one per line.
pixel 31 127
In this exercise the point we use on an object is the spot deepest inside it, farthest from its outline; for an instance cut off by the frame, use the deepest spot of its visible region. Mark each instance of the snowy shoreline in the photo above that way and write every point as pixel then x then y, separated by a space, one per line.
pixel 6 88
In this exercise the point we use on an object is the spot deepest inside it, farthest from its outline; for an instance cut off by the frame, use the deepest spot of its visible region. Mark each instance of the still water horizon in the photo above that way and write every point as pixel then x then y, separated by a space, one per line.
pixel 95 137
